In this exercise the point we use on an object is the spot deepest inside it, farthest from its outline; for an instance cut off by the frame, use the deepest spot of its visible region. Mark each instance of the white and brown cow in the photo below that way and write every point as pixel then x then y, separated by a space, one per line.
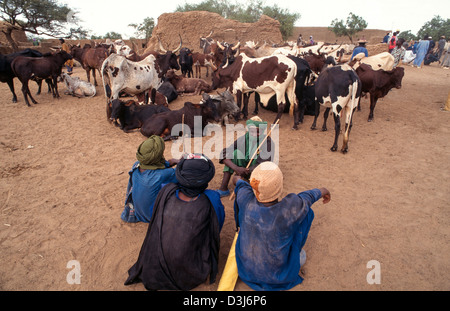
pixel 338 88
pixel 268 76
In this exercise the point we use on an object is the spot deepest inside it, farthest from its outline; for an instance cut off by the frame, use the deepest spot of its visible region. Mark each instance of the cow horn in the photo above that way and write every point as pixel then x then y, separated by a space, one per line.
pixel 210 34
pixel 160 45
pixel 226 64
pixel 179 47
pixel 335 49
pixel 220 46
pixel 213 67
pixel 237 46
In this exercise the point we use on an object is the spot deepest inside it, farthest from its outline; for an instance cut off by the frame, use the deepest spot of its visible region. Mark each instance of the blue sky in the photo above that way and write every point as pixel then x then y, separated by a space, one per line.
pixel 102 16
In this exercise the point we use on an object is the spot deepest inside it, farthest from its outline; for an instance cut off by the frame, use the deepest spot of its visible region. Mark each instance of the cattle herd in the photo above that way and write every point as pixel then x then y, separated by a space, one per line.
pixel 290 78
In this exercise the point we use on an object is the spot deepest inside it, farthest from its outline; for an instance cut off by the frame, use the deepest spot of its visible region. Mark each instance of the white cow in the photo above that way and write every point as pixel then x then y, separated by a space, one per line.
pixel 77 87
pixel 384 61
pixel 120 74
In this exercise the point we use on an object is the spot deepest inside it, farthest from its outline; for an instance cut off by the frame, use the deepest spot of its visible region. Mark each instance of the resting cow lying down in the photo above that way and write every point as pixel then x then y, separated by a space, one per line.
pixel 162 124
pixel 132 115
pixel 77 87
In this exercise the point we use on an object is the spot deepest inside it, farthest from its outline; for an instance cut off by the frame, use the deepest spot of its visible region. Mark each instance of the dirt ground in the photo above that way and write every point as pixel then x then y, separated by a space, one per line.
pixel 64 172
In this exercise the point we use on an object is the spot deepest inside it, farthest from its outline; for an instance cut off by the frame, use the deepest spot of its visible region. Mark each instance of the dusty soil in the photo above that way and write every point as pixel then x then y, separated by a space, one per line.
pixel 64 174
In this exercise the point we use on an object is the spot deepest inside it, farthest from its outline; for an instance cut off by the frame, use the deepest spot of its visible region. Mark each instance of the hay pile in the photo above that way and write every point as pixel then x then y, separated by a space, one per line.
pixel 196 24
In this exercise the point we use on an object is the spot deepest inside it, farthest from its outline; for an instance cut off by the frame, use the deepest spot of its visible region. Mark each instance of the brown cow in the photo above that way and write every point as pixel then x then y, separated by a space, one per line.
pixel 378 83
pixel 47 67
pixel 203 60
pixel 188 86
pixel 91 59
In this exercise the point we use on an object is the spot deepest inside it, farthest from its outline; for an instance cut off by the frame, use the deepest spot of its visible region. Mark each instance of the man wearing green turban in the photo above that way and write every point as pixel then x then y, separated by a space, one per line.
pixel 147 176
pixel 237 156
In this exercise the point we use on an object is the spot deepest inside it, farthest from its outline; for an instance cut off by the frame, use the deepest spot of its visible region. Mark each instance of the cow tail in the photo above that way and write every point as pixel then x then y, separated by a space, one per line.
pixel 106 86
pixel 292 97
pixel 349 110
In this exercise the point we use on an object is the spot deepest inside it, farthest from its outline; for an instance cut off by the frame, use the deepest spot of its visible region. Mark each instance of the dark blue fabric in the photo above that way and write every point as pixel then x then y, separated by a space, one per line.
pixel 214 198
pixel 142 189
pixel 359 49
pixel 271 238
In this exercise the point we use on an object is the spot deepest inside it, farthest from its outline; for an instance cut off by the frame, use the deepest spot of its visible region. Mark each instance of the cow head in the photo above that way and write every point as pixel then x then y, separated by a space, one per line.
pixel 124 50
pixel 185 60
pixel 209 109
pixel 116 108
pixel 205 43
pixel 224 76
pixel 230 51
pixel 398 74
pixel 167 59
pixel 227 104
pixel 64 56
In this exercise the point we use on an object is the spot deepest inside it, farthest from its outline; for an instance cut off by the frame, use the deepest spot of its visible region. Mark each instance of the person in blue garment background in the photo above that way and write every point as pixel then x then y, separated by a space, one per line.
pixel 360 49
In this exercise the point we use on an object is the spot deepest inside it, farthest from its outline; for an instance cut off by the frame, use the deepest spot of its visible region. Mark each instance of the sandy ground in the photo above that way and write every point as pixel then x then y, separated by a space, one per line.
pixel 64 171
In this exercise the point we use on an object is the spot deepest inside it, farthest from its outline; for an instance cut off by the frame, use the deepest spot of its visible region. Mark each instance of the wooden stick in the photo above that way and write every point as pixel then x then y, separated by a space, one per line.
pixel 230 273
pixel 257 150
pixel 182 127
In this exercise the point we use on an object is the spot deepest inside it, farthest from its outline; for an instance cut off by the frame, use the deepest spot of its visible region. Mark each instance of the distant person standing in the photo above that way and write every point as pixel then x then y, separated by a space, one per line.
pixel 421 51
pixel 69 63
pixel 300 40
pixel 441 46
pixel 393 41
pixel 446 59
pixel 398 52
pixel 311 40
pixel 360 49
pixel 386 38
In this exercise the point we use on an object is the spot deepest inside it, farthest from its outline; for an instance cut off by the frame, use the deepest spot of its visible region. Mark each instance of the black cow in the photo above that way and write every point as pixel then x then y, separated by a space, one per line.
pixel 306 103
pixel 49 66
pixel 132 115
pixel 378 83
pixel 6 73
pixel 163 123
pixel 338 88
pixel 230 51
pixel 169 91
pixel 186 62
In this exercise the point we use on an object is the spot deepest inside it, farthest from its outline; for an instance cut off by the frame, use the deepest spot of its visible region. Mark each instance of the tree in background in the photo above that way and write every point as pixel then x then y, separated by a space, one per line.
pixel 38 17
pixel 144 30
pixel 353 25
pixel 407 35
pixel 246 13
pixel 435 28
pixel 109 35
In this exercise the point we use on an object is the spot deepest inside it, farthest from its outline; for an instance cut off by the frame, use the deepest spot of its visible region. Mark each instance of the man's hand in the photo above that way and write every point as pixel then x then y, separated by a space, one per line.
pixel 242 171
pixel 326 195
pixel 173 162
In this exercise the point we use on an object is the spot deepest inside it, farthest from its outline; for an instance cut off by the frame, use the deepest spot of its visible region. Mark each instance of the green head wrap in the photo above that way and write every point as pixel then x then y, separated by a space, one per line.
pixel 257 122
pixel 150 153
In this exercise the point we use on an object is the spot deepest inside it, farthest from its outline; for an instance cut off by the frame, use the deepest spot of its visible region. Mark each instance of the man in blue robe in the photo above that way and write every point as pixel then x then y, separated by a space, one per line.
pixel 421 51
pixel 272 231
pixel 147 176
